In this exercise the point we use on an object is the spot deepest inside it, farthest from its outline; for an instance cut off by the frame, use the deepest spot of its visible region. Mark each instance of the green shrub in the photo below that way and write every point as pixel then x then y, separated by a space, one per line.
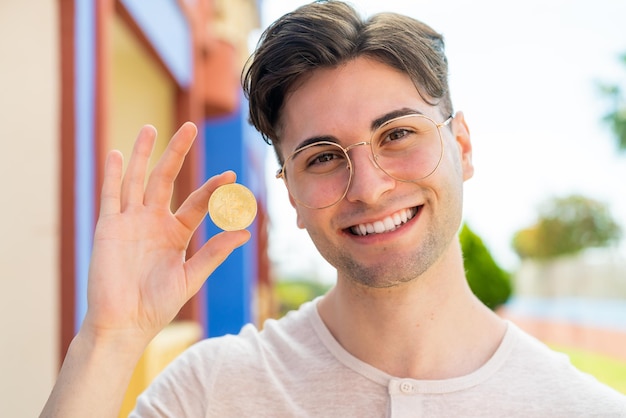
pixel 290 294
pixel 490 283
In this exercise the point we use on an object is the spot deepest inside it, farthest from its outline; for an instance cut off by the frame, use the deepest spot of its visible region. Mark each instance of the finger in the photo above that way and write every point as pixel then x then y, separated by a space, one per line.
pixel 135 176
pixel 213 253
pixel 160 185
pixel 195 207
pixel 110 194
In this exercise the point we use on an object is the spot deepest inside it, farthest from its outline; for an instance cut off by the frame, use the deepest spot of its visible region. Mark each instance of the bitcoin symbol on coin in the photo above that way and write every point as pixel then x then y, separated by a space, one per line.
pixel 232 207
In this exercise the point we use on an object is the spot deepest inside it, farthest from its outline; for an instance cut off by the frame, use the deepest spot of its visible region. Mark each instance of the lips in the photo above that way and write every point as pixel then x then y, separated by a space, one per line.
pixel 388 224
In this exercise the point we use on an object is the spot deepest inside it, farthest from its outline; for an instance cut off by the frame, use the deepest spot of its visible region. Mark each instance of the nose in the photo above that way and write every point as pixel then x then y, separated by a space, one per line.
pixel 368 182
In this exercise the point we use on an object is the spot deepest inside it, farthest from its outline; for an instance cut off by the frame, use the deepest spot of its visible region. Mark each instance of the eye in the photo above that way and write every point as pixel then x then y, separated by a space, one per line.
pixel 324 158
pixel 319 159
pixel 395 136
pixel 398 133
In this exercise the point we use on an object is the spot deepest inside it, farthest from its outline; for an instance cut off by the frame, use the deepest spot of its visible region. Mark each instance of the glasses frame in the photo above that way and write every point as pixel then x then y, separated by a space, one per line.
pixel 281 171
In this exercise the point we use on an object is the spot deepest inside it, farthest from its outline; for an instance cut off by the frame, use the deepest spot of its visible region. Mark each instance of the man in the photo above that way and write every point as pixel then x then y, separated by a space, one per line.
pixel 374 159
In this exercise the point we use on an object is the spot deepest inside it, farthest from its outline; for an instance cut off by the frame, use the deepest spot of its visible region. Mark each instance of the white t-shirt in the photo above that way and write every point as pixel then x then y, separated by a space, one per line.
pixel 295 368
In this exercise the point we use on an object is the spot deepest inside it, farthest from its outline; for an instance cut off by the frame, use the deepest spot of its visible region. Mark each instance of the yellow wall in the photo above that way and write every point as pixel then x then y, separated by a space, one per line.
pixel 140 93
pixel 165 347
pixel 29 185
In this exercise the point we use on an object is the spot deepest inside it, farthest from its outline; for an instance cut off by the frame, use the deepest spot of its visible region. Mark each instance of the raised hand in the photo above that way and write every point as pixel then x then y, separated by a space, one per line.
pixel 140 275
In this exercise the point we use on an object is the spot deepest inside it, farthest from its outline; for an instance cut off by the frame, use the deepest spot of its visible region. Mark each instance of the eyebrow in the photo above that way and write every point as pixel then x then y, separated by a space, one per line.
pixel 376 123
pixel 316 139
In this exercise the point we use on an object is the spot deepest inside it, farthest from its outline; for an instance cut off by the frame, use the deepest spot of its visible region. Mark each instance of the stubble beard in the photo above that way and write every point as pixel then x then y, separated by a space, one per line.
pixel 394 271
pixel 398 267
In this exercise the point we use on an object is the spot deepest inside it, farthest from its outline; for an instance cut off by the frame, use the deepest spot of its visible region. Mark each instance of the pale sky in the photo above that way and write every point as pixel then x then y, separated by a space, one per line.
pixel 525 75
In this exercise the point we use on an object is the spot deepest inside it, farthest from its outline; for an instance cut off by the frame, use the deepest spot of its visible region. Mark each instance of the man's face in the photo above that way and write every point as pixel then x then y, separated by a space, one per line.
pixel 342 104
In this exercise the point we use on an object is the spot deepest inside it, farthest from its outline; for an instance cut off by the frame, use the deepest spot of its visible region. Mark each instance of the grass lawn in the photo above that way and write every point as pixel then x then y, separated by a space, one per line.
pixel 606 369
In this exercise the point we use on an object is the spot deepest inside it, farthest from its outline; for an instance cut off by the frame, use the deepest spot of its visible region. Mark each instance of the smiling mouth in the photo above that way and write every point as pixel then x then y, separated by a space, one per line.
pixel 388 224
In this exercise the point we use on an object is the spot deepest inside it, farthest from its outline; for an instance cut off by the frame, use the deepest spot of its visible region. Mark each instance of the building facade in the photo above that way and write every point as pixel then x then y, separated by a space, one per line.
pixel 79 78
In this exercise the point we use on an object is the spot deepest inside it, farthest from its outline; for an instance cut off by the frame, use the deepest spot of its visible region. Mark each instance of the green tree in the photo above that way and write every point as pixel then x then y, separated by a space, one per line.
pixel 567 225
pixel 490 283
pixel 616 117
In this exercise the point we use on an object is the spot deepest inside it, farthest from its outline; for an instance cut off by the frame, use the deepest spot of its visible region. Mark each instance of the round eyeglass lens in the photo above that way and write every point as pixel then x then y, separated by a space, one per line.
pixel 318 175
pixel 408 148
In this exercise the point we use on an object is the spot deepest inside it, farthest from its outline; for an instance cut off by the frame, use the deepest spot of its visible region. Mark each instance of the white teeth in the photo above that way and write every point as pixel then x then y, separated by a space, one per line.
pixel 388 224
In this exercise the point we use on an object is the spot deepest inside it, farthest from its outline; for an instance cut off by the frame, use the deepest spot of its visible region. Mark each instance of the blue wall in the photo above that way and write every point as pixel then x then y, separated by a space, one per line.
pixel 85 67
pixel 231 289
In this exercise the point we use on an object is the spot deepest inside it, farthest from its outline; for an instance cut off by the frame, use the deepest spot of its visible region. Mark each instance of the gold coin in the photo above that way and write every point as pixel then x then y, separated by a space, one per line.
pixel 232 207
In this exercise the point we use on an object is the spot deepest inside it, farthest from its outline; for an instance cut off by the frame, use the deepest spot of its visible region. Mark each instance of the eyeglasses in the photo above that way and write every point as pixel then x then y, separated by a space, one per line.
pixel 408 148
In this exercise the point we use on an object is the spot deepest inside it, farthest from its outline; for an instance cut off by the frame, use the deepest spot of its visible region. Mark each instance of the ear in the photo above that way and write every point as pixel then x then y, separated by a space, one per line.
pixel 462 136
pixel 298 218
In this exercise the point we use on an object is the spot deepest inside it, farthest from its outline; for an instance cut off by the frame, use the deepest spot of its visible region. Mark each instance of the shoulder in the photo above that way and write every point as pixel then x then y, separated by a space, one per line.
pixel 188 384
pixel 547 377
pixel 291 333
pixel 251 346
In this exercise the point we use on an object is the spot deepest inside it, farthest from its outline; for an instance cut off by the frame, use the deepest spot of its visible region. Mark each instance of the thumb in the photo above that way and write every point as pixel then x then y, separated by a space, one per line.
pixel 213 253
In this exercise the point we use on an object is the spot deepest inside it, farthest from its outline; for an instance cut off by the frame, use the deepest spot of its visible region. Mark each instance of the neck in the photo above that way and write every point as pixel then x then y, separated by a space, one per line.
pixel 430 328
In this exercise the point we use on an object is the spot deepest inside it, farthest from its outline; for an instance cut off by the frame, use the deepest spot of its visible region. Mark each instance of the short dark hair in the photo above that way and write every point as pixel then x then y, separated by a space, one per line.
pixel 325 34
